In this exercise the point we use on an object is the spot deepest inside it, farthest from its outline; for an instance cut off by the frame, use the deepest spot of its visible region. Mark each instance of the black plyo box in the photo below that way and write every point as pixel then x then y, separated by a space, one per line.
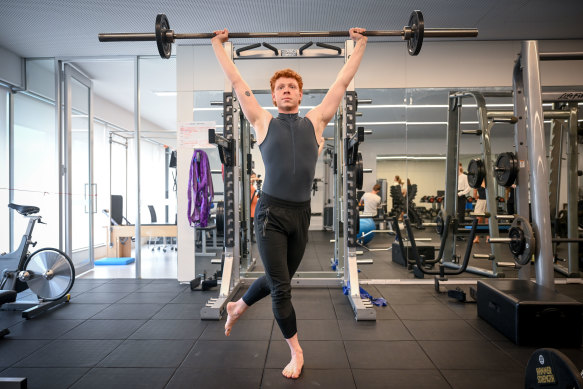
pixel 530 314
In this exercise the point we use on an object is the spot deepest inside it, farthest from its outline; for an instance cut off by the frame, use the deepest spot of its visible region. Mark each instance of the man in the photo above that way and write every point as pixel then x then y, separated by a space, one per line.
pixel 289 147
pixel 371 201
pixel 481 207
pixel 463 189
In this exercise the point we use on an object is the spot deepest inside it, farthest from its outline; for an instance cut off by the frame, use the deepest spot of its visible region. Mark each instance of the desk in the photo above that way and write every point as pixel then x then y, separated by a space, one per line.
pixel 125 250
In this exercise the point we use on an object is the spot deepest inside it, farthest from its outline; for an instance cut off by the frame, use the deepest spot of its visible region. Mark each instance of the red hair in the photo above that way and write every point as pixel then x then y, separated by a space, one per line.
pixel 286 73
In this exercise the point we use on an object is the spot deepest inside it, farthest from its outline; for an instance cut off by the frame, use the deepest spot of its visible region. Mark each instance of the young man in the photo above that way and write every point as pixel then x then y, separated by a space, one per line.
pixel 289 147
pixel 481 206
pixel 371 200
pixel 463 189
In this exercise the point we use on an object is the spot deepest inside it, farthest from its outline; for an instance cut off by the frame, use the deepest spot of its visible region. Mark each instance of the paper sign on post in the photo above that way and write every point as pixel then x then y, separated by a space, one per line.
pixel 195 134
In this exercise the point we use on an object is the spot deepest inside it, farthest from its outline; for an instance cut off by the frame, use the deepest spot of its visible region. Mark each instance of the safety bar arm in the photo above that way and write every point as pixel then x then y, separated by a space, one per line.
pixel 226 147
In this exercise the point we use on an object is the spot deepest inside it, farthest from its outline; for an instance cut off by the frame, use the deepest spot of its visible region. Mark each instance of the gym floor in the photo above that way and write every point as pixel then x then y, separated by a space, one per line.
pixel 127 333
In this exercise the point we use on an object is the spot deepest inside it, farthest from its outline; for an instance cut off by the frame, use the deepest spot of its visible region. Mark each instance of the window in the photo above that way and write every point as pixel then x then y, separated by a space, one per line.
pixel 36 166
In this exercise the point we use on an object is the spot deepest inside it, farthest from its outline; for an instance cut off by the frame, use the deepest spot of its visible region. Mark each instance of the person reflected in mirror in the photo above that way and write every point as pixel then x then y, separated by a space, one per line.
pixel 481 207
pixel 371 201
pixel 463 189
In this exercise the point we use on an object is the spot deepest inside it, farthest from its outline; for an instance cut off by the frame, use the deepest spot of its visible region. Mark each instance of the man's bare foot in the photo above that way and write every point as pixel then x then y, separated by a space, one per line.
pixel 294 367
pixel 234 311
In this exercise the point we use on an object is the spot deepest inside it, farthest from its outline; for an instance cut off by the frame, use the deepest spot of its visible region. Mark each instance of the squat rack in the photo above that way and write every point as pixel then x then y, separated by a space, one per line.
pixel 235 143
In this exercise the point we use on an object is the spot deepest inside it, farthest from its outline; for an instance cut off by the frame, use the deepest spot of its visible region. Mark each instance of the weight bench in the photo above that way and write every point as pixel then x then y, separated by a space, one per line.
pixel 203 231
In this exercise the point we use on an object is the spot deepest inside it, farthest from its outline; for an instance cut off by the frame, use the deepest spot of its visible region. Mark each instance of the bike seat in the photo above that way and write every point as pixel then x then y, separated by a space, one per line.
pixel 24 210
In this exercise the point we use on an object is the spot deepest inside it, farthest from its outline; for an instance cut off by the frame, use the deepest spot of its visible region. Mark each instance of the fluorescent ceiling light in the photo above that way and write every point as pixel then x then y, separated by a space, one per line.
pixel 165 93
pixel 408 157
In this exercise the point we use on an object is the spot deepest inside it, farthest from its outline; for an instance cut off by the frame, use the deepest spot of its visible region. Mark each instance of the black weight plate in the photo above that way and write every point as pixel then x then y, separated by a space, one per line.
pixel 164 46
pixel 550 368
pixel 517 244
pixel 417 30
pixel 359 171
pixel 525 248
pixel 506 169
pixel 476 173
pixel 220 218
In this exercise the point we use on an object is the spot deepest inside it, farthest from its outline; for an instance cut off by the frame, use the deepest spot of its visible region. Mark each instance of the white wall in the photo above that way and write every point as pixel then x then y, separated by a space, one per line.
pixel 428 175
pixel 114 114
pixel 11 68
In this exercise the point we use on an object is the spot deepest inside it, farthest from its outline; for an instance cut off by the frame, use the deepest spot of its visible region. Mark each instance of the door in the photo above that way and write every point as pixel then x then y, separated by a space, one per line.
pixel 80 203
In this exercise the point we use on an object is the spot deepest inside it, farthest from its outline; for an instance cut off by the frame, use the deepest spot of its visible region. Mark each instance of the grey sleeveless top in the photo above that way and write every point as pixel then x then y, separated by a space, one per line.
pixel 290 153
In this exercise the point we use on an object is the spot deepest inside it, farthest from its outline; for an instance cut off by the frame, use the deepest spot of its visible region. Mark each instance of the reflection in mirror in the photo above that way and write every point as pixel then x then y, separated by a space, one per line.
pixel 385 117
pixel 409 140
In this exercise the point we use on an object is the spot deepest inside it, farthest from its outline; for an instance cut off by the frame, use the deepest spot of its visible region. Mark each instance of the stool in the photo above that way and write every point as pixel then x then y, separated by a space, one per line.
pixel 203 231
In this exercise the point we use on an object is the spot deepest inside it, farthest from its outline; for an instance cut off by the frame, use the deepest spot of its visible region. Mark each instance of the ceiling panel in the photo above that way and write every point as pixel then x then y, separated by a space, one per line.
pixel 47 28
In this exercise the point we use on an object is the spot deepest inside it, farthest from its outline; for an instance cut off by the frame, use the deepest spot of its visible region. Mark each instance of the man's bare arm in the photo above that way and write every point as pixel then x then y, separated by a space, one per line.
pixel 324 112
pixel 257 116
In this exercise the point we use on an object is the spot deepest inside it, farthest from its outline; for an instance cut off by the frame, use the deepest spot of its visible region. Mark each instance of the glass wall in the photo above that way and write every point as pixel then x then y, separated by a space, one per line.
pixel 119 169
pixel 158 136
pixel 36 166
pixel 80 166
pixel 101 180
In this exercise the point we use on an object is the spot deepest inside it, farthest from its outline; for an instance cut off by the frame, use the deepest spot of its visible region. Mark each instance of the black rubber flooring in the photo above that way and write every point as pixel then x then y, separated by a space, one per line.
pixel 125 333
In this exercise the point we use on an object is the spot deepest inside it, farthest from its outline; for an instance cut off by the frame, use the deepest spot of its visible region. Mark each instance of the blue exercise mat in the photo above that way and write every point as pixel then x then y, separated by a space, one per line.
pixel 486 228
pixel 114 261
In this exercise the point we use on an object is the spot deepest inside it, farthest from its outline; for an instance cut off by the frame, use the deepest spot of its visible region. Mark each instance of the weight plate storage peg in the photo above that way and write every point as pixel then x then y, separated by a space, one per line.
pixel 476 173
pixel 522 245
pixel 506 169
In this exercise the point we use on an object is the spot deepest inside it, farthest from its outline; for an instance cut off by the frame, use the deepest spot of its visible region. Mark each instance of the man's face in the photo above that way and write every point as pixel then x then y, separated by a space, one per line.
pixel 287 95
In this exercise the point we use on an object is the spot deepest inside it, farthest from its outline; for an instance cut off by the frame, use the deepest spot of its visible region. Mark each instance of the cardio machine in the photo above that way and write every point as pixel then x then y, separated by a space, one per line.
pixel 48 272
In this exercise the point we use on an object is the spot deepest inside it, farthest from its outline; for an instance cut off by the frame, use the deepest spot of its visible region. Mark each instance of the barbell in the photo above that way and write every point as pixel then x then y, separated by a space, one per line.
pixel 413 33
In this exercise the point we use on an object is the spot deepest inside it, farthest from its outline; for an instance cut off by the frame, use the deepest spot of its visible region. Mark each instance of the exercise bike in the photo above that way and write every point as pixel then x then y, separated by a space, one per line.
pixel 48 272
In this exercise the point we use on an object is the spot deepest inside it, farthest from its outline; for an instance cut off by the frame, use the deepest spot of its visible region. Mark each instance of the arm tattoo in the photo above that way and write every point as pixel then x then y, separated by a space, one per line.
pixel 247 93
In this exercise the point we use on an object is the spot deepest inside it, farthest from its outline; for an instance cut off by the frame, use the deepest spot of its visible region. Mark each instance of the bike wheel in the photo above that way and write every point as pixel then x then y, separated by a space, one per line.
pixel 51 272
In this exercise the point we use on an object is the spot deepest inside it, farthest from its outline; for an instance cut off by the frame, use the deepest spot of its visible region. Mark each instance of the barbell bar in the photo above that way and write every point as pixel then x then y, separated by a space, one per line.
pixel 413 33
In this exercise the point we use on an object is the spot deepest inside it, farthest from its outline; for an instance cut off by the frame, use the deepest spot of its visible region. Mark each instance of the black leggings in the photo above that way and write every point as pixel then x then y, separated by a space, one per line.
pixel 281 230
pixel 461 208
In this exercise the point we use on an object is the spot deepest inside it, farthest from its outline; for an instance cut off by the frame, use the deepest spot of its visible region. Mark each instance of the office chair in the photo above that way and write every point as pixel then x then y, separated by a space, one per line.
pixel 154 220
